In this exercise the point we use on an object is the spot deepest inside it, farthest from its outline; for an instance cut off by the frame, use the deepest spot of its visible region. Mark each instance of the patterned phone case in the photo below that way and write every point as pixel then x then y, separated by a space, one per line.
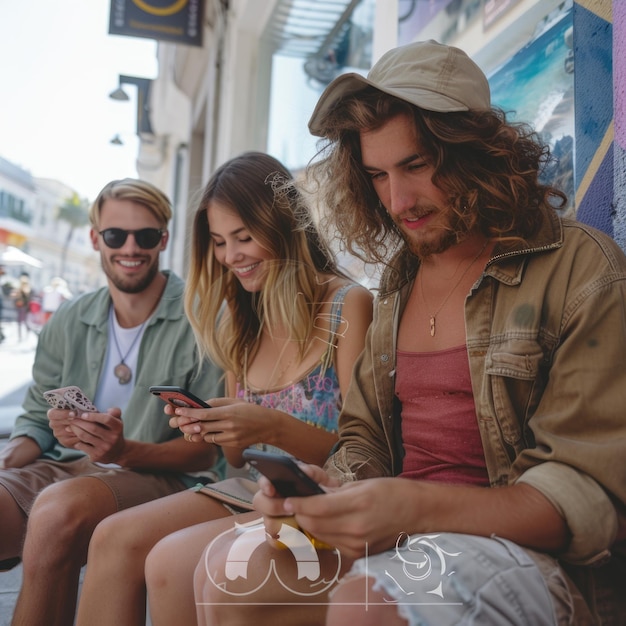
pixel 75 396
pixel 55 399
pixel 69 398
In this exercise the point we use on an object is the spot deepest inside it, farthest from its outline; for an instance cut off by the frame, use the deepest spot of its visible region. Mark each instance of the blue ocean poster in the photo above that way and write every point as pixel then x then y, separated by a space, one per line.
pixel 536 85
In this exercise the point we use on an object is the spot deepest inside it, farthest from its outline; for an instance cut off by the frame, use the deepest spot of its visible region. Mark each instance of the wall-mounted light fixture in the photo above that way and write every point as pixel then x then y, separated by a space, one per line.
pixel 144 126
pixel 119 94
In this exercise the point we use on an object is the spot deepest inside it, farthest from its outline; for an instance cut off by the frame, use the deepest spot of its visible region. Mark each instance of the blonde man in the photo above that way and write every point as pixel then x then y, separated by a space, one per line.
pixel 64 471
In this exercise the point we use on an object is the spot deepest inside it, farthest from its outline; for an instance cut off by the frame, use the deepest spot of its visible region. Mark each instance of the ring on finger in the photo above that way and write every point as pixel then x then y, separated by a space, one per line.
pixel 213 439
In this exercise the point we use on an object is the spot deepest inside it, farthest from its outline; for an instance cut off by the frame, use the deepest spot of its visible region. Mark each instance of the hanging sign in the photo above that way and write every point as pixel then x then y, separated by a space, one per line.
pixel 177 21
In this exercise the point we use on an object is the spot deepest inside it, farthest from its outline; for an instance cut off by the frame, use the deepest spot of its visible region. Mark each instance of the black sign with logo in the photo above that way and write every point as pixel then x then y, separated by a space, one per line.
pixel 177 21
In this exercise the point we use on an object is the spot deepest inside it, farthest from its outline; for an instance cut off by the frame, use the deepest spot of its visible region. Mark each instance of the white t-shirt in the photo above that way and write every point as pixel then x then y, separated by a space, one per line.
pixel 111 393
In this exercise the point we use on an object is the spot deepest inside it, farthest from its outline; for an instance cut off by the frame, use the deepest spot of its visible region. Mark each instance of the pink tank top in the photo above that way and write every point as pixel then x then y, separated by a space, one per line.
pixel 439 429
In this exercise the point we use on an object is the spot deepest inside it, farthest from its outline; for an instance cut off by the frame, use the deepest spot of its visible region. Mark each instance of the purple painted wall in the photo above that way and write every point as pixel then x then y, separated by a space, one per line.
pixel 619 108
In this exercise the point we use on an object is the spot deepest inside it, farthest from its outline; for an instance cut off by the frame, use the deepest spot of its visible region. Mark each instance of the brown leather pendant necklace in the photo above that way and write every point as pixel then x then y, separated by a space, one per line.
pixel 122 372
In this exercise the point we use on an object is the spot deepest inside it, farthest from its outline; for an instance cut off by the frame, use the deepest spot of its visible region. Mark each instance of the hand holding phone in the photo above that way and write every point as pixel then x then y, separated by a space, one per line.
pixel 177 397
pixel 69 398
pixel 288 480
pixel 283 472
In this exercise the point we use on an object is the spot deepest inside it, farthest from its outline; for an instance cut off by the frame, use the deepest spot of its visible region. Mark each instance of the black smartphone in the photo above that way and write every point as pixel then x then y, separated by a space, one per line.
pixel 177 396
pixel 283 472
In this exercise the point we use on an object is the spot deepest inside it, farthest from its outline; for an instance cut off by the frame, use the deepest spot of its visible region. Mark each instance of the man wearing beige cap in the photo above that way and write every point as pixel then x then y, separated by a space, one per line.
pixel 479 477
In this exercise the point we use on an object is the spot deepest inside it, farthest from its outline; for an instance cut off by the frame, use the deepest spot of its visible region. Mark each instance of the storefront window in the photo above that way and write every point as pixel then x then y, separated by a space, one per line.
pixel 298 82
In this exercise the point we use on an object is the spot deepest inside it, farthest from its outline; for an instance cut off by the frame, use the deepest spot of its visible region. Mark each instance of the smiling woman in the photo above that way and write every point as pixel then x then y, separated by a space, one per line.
pixel 235 249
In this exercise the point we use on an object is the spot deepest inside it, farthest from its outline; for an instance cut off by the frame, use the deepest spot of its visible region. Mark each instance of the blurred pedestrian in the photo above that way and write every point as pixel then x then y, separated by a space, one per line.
pixel 53 296
pixel 2 273
pixel 22 297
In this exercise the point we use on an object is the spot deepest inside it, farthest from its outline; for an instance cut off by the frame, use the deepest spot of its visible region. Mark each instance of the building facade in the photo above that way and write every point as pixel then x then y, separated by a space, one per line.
pixel 254 81
pixel 29 221
pixel 17 202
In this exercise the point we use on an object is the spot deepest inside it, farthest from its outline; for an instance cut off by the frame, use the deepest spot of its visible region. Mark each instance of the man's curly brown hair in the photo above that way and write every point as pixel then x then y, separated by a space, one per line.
pixel 488 167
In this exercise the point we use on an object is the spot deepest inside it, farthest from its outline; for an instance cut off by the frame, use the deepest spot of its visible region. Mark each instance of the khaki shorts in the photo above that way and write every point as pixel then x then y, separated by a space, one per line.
pixel 128 486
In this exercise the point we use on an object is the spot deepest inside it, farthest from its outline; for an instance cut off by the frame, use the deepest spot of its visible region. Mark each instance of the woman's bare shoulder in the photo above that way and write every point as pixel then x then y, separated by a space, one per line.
pixel 357 304
pixel 357 293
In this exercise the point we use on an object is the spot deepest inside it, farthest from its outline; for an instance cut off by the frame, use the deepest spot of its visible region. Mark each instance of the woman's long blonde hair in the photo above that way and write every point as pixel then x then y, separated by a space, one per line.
pixel 227 319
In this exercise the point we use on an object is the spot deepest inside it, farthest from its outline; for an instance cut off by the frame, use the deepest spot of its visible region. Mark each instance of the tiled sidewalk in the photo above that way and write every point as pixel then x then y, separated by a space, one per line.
pixel 9 586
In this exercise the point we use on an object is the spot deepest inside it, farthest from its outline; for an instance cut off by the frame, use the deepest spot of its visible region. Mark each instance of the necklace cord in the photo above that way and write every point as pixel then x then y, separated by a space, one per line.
pixel 132 345
pixel 433 316
pixel 121 371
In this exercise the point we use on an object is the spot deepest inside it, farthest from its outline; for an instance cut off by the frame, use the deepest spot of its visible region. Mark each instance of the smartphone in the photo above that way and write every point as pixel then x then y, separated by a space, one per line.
pixel 283 472
pixel 69 398
pixel 177 396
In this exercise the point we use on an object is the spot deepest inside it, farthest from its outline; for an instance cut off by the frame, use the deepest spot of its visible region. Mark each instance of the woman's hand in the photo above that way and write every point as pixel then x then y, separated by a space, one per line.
pixel 229 422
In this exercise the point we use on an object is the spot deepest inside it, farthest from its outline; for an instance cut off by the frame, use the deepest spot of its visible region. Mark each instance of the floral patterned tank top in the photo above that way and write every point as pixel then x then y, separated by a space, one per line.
pixel 316 398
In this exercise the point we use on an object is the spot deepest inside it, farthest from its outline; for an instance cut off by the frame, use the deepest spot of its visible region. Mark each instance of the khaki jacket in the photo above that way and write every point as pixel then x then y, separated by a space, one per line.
pixel 546 340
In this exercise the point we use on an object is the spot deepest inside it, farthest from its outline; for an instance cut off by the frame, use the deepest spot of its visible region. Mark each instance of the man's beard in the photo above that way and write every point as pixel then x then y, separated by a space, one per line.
pixel 134 284
pixel 452 234
pixel 424 249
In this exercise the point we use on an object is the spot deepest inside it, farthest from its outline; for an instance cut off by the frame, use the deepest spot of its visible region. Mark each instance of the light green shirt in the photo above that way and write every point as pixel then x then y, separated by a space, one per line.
pixel 71 351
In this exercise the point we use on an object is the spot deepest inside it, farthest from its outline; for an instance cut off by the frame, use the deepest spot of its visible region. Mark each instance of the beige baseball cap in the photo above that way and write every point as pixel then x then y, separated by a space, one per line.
pixel 428 74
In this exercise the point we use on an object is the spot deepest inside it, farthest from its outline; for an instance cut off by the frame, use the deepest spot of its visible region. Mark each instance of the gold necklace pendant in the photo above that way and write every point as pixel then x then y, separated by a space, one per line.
pixel 433 316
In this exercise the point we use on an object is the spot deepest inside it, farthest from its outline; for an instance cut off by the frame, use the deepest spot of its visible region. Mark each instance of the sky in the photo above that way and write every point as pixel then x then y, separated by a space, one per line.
pixel 58 65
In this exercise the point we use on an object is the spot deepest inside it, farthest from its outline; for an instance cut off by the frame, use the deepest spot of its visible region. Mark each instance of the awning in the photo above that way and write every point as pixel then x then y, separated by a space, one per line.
pixel 322 32
pixel 15 256
pixel 303 28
